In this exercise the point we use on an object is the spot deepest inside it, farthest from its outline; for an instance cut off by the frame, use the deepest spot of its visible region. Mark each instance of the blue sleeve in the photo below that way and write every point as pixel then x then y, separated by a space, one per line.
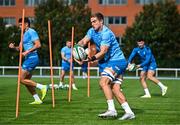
pixel 106 39
pixel 132 55
pixel 34 35
pixel 63 50
pixel 89 33
pixel 148 57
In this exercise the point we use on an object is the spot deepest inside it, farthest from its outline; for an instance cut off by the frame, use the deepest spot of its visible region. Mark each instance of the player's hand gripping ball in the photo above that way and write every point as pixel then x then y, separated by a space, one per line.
pixel 131 67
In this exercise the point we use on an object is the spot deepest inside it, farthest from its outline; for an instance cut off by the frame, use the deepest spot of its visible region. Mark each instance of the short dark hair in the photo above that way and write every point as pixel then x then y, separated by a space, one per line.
pixel 138 40
pixel 98 15
pixel 26 20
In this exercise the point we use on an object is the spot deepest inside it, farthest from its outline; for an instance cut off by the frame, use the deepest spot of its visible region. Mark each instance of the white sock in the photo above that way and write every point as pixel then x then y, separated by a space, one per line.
pixel 36 97
pixel 61 83
pixel 73 85
pixel 146 91
pixel 39 86
pixel 126 108
pixel 161 85
pixel 84 74
pixel 111 105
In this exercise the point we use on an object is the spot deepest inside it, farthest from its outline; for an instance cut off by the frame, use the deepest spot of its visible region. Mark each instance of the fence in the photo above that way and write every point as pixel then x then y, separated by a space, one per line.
pixel 42 71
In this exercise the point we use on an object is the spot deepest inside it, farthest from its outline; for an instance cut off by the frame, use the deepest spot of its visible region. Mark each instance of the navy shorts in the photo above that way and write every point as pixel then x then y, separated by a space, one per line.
pixel 151 66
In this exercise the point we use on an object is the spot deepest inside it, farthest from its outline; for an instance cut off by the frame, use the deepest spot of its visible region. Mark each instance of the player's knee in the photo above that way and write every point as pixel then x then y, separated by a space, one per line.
pixel 116 88
pixel 103 83
pixel 149 77
pixel 22 80
pixel 142 78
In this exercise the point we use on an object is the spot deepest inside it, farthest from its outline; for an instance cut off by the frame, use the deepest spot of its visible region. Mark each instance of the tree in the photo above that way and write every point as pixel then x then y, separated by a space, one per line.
pixel 158 24
pixel 8 34
pixel 62 16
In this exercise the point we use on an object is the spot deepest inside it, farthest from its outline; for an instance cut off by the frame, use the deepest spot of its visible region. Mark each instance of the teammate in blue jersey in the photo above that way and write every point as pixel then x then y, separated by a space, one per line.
pixel 66 56
pixel 115 64
pixel 148 65
pixel 31 43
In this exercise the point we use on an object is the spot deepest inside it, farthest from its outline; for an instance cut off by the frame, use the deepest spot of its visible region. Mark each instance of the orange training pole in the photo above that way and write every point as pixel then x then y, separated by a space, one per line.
pixel 50 55
pixel 71 61
pixel 20 63
pixel 88 80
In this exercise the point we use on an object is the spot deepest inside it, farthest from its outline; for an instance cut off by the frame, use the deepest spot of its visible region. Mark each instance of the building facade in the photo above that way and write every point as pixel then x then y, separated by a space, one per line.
pixel 118 13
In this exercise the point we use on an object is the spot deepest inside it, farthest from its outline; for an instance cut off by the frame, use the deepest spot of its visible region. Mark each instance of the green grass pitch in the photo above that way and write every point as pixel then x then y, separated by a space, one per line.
pixel 83 110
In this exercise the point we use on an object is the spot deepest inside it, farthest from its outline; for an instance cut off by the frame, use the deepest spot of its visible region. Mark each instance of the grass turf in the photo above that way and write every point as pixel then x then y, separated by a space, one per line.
pixel 83 110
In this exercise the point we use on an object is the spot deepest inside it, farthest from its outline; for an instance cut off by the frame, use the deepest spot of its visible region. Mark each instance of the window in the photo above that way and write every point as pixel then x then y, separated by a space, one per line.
pixel 112 2
pixel 7 2
pixel 100 1
pixel 117 1
pixel 33 2
pixel 123 20
pixel 115 20
pixel 177 1
pixel 9 20
pixel 110 21
pixel 124 1
pixel 147 1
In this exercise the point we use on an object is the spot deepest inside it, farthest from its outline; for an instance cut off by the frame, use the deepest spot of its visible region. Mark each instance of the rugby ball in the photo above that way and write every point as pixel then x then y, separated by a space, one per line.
pixel 79 52
pixel 131 67
pixel 55 86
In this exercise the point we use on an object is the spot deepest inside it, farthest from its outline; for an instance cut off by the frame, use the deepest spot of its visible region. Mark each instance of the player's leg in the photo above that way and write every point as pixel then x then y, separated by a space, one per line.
pixel 32 90
pixel 119 69
pixel 123 102
pixel 65 68
pixel 73 82
pixel 62 75
pixel 84 70
pixel 28 66
pixel 144 84
pixel 150 76
pixel 104 84
pixel 25 75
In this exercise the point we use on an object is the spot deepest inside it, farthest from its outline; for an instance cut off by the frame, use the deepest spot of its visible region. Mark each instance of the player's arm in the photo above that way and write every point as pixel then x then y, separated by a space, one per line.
pixel 103 51
pixel 99 55
pixel 79 62
pixel 37 44
pixel 84 41
pixel 132 55
pixel 64 57
pixel 12 46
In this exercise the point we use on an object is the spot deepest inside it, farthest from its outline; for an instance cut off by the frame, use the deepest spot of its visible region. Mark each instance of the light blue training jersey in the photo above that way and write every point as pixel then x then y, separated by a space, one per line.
pixel 29 38
pixel 31 59
pixel 106 37
pixel 145 55
pixel 67 53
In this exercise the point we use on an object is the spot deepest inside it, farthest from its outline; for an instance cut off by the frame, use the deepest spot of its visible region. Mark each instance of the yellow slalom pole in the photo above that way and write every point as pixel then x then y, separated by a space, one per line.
pixel 20 63
pixel 50 55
